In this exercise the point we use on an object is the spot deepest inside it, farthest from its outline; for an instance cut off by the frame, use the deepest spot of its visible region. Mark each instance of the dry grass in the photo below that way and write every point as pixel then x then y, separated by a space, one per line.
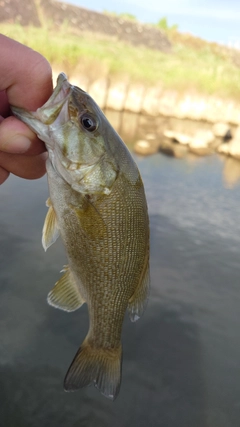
pixel 193 64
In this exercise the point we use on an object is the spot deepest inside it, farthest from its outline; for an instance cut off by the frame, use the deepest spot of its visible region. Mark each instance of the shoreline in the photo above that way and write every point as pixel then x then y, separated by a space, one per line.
pixel 181 128
pixel 121 95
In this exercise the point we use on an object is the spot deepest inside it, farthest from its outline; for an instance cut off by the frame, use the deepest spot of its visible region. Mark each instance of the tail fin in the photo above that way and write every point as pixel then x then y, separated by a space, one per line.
pixel 98 365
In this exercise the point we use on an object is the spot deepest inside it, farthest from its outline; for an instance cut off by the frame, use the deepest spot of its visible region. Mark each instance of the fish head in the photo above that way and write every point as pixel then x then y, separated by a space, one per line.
pixel 76 134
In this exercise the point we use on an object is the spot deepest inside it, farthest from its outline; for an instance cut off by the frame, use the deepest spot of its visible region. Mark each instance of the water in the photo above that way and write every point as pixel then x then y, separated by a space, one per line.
pixel 181 360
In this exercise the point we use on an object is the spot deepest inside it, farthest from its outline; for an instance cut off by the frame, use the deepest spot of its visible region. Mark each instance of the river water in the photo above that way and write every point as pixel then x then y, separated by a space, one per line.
pixel 181 364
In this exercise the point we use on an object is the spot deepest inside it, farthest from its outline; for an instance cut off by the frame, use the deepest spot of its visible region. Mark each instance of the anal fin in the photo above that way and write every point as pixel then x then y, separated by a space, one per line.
pixel 65 294
pixel 50 231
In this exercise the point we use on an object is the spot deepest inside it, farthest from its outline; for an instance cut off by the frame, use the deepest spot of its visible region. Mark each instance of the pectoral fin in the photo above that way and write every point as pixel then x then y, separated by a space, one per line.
pixel 65 294
pixel 50 231
pixel 138 301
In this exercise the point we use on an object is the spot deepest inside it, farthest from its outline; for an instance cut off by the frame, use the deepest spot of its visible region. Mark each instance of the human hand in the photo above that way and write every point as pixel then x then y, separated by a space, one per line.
pixel 25 81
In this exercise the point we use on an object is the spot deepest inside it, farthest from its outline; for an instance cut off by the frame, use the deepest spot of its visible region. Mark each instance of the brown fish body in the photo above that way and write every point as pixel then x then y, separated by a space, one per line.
pixel 105 231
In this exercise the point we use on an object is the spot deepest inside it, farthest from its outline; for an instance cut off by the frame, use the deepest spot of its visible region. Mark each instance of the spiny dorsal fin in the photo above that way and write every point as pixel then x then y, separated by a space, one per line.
pixel 50 231
pixel 138 301
pixel 65 294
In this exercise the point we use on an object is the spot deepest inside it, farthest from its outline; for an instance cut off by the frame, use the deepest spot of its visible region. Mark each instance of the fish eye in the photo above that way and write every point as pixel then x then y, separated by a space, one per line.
pixel 88 122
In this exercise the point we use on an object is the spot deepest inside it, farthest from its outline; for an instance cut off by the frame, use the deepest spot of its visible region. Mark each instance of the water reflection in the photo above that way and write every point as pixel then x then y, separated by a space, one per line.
pixel 133 127
pixel 231 172
pixel 181 360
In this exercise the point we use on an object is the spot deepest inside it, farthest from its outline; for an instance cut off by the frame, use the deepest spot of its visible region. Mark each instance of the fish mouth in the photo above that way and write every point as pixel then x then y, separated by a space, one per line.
pixel 48 113
pixel 52 114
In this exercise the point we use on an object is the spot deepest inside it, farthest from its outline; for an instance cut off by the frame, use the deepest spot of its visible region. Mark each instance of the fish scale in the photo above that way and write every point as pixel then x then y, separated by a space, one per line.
pixel 98 206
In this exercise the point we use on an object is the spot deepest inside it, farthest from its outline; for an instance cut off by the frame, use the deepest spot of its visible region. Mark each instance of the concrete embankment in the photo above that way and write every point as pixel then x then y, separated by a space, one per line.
pixel 126 95
pixel 215 122
pixel 123 95
pixel 155 101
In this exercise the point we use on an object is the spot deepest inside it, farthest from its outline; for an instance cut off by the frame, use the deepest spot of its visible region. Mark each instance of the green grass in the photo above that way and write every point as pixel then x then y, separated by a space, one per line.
pixel 204 68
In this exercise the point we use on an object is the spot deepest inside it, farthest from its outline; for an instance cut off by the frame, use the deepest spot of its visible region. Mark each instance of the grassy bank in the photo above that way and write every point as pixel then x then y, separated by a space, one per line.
pixel 202 68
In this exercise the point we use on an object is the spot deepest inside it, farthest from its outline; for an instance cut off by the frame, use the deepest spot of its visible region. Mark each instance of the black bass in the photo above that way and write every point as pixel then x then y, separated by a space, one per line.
pixel 98 206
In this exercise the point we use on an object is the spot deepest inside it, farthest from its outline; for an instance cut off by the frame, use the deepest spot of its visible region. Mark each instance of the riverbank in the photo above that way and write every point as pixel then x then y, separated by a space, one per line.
pixel 188 83
pixel 174 137
pixel 98 45
pixel 123 94
pixel 128 66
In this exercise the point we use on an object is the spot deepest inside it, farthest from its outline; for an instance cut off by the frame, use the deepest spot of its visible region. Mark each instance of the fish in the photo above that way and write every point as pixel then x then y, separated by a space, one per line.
pixel 98 206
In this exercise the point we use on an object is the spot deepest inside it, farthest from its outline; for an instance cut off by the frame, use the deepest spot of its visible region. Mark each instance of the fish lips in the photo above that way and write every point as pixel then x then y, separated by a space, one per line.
pixel 52 114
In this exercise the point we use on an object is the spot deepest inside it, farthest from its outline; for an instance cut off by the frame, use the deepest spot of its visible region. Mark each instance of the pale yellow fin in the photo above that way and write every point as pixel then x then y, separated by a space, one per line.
pixel 100 366
pixel 50 231
pixel 48 202
pixel 65 294
pixel 138 301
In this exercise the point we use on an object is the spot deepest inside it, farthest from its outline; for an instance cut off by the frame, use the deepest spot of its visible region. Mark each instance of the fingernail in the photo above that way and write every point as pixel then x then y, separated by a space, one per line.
pixel 17 144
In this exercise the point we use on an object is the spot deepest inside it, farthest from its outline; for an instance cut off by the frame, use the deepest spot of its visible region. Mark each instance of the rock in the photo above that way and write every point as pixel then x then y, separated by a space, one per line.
pixel 173 150
pixel 222 130
pixel 237 133
pixel 167 148
pixel 234 148
pixel 201 143
pixel 216 143
pixel 150 136
pixel 182 138
pixel 228 136
pixel 203 138
pixel 201 151
pixel 180 151
pixel 223 149
pixel 145 147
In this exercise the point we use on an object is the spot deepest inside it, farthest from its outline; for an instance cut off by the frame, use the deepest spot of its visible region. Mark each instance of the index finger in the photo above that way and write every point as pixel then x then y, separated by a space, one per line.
pixel 24 74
